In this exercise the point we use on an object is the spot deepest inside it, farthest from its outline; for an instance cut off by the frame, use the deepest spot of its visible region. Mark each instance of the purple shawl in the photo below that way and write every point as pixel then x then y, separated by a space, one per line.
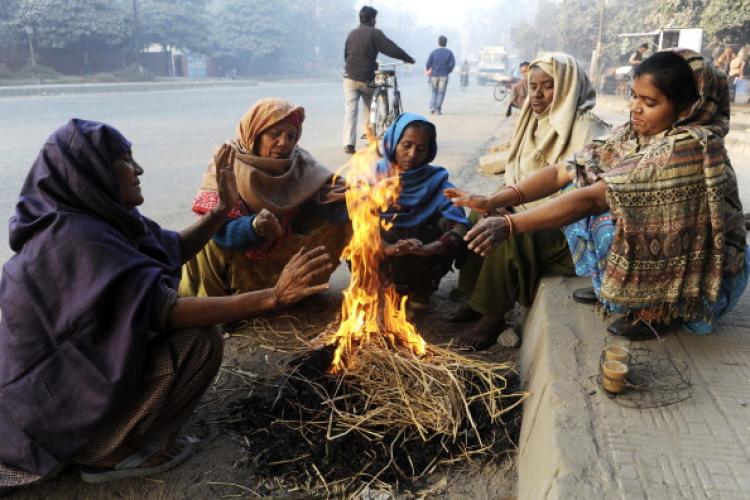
pixel 78 299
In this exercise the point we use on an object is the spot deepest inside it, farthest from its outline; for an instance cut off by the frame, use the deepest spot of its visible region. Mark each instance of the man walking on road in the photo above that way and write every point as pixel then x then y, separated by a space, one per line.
pixel 360 52
pixel 439 65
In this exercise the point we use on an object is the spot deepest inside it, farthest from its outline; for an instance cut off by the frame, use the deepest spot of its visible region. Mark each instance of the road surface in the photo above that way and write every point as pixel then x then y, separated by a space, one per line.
pixel 175 132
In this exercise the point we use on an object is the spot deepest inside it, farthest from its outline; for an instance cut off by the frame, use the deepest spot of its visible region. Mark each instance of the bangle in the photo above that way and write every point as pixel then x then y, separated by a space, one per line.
pixel 519 194
pixel 511 229
pixel 255 227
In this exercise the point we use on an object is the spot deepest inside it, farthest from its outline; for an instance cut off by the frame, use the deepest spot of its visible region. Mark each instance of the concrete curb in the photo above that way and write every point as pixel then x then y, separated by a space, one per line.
pixel 96 88
pixel 559 457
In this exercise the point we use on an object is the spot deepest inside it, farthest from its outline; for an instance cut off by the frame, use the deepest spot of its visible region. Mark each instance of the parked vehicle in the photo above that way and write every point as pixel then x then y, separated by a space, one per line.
pixel 616 79
pixel 493 65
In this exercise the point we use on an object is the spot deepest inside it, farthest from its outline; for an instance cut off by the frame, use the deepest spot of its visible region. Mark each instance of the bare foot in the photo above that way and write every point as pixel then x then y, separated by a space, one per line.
pixel 482 335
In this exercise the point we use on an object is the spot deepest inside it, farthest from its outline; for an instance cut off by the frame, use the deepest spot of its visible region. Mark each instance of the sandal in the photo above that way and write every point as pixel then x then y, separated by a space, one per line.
pixel 585 295
pixel 635 329
pixel 483 335
pixel 131 466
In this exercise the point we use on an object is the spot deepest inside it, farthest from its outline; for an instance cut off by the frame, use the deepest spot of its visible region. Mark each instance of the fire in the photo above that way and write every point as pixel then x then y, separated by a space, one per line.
pixel 370 309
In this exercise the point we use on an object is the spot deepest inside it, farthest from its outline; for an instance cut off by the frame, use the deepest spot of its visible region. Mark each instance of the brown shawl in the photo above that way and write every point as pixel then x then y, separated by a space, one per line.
pixel 278 185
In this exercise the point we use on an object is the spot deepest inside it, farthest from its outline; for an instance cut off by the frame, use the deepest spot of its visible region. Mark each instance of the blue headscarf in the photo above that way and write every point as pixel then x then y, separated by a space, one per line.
pixel 422 187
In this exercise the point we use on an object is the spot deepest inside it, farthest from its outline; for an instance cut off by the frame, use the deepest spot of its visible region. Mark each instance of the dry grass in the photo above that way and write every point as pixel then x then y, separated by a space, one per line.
pixel 414 414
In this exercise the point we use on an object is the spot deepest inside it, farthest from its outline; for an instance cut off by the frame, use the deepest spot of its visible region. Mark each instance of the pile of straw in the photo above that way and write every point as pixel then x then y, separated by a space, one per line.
pixel 391 418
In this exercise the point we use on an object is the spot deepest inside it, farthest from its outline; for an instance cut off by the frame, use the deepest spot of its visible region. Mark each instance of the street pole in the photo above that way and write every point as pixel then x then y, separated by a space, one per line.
pixel 596 58
pixel 30 34
pixel 136 34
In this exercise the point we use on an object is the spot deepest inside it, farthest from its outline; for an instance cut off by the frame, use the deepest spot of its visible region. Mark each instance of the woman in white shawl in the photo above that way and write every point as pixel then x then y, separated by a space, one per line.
pixel 555 122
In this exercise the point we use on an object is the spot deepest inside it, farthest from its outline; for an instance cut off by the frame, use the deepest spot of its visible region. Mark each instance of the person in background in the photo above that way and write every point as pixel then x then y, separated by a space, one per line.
pixel 736 65
pixel 465 69
pixel 439 64
pixel 361 50
pixel 725 59
pixel 637 56
pixel 520 89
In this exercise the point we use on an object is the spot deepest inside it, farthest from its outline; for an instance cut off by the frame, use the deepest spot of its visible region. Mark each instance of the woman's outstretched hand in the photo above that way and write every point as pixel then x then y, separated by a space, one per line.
pixel 487 233
pixel 466 199
pixel 402 247
pixel 302 269
pixel 225 180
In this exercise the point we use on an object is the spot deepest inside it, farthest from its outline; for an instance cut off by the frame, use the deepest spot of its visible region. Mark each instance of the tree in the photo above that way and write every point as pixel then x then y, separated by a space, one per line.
pixel 727 19
pixel 10 35
pixel 566 26
pixel 180 24
pixel 65 24
pixel 250 31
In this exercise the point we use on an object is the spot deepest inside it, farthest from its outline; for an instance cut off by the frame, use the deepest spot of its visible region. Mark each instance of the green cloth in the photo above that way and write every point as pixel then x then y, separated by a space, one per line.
pixel 511 272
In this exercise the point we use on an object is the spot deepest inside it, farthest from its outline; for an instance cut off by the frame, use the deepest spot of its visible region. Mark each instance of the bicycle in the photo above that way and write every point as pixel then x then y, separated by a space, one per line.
pixel 502 87
pixel 381 114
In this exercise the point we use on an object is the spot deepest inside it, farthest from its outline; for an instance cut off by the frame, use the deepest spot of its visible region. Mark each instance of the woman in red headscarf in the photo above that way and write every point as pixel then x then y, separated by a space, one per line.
pixel 287 201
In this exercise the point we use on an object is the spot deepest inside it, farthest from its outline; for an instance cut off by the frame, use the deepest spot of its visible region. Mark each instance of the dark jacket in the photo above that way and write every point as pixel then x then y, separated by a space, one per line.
pixel 361 49
pixel 441 62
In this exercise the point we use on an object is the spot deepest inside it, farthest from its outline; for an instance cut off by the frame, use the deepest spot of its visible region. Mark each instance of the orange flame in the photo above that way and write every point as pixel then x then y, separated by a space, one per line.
pixel 368 308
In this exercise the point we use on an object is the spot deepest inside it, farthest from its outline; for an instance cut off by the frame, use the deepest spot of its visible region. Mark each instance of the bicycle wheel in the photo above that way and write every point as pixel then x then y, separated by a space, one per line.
pixel 379 117
pixel 398 108
pixel 500 92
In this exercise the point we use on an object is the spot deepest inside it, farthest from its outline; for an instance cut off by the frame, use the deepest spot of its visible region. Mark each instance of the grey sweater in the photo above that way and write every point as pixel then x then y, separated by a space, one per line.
pixel 361 50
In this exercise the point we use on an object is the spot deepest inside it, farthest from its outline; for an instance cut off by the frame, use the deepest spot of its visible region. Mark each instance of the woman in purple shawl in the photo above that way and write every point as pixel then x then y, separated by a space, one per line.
pixel 100 361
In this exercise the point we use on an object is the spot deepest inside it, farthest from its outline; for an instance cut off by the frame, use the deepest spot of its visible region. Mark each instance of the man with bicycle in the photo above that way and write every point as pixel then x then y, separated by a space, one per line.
pixel 361 50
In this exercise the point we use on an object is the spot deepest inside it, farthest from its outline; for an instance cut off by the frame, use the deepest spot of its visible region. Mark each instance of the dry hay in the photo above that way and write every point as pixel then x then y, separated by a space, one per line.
pixel 386 423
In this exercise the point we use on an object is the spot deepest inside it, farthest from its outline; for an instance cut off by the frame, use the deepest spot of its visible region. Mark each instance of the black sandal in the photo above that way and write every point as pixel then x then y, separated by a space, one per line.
pixel 585 295
pixel 635 329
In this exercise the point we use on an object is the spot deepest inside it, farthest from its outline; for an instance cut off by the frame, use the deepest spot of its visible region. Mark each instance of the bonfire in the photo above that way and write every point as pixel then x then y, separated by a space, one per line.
pixel 369 401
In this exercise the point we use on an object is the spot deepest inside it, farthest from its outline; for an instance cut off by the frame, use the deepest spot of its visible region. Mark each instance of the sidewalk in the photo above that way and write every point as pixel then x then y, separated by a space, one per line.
pixel 576 443
pixel 94 88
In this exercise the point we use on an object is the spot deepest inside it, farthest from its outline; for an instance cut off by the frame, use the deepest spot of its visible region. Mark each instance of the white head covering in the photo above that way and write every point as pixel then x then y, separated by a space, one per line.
pixel 547 138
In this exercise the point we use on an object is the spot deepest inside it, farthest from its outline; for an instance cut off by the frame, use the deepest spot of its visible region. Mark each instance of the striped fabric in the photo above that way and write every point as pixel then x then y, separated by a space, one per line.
pixel 676 209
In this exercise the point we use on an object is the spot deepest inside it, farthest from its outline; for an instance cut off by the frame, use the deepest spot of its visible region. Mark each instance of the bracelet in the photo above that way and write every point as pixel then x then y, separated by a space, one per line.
pixel 519 194
pixel 511 229
pixel 255 227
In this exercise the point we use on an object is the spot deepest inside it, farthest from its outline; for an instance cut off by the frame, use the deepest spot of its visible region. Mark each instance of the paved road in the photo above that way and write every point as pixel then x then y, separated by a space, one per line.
pixel 175 132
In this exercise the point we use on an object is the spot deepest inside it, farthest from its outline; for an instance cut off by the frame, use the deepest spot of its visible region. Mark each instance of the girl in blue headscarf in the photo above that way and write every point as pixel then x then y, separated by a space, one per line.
pixel 426 232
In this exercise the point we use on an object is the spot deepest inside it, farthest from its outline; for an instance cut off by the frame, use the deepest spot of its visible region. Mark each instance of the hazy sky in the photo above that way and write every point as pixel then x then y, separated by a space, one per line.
pixel 436 12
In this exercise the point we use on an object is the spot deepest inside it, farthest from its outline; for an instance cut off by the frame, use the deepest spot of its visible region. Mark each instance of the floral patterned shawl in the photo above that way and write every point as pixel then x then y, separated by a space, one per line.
pixel 678 223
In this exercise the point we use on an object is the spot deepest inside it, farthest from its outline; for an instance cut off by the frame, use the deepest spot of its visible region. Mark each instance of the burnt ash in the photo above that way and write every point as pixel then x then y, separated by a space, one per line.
pixel 275 422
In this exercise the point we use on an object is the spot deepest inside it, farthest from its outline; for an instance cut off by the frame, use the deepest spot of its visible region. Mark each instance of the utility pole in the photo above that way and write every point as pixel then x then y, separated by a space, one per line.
pixel 596 57
pixel 136 34
pixel 30 35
